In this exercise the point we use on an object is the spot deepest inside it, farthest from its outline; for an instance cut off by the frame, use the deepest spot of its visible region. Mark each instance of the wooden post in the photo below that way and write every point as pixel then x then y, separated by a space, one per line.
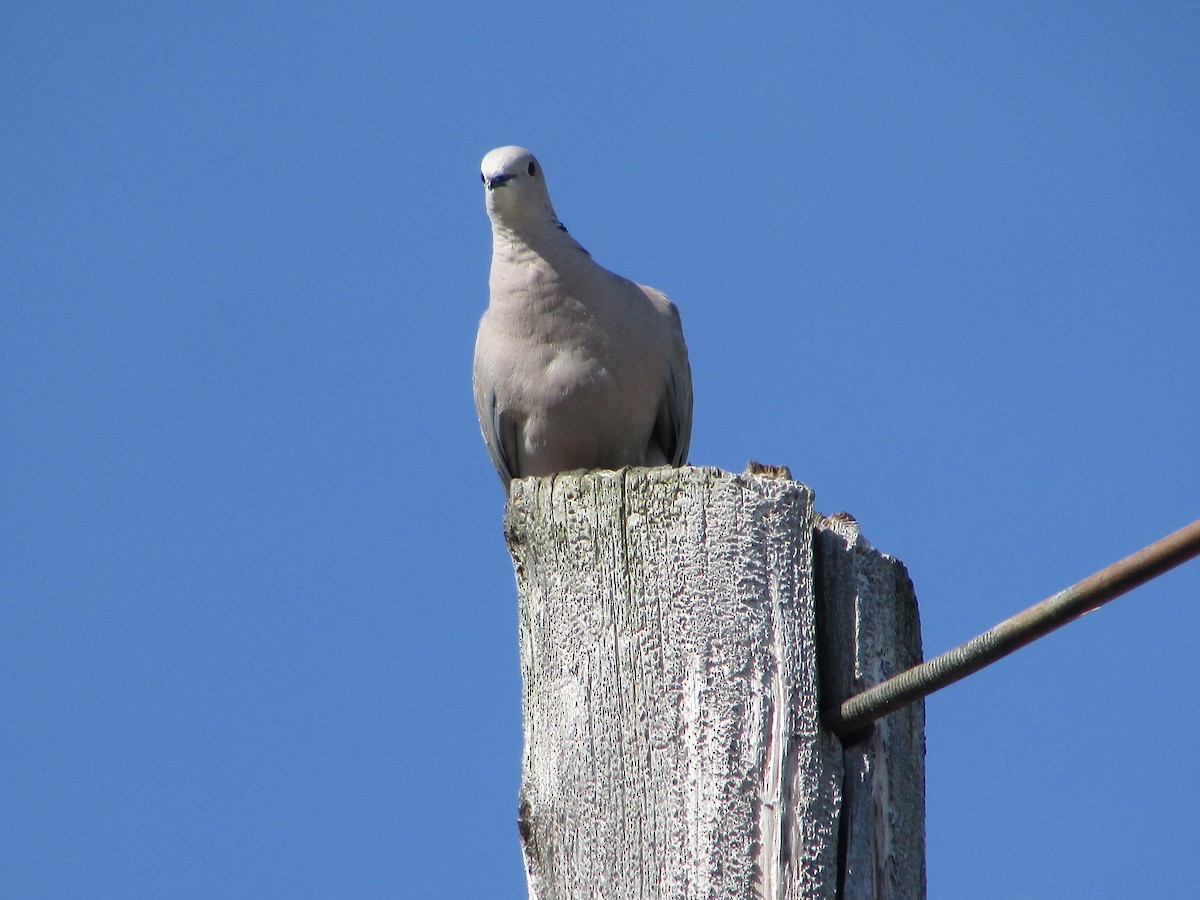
pixel 673 742
pixel 867 631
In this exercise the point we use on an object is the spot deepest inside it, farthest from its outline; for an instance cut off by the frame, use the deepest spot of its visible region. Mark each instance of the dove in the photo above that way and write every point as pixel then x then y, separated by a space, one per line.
pixel 575 367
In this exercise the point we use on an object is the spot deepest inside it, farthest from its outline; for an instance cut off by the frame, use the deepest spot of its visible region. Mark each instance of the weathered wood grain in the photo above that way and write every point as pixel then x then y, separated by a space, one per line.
pixel 868 630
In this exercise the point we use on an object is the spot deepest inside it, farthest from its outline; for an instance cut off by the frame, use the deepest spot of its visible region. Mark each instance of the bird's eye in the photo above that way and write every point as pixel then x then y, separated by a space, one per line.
pixel 483 178
pixel 532 169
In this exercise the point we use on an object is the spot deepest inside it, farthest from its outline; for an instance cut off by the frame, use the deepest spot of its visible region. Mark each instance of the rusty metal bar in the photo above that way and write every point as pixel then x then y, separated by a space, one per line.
pixel 861 710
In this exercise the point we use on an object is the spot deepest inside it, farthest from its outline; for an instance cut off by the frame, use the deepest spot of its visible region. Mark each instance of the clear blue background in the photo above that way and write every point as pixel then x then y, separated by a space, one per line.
pixel 258 632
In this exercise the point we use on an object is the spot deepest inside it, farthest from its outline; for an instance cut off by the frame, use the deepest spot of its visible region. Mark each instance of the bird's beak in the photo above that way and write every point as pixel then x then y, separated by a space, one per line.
pixel 497 180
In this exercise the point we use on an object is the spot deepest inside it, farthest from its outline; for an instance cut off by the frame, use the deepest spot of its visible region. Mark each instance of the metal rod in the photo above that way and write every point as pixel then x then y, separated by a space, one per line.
pixel 861 710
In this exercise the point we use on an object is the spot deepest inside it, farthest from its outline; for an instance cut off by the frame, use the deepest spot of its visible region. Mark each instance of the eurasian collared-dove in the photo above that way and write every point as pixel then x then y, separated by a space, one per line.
pixel 575 367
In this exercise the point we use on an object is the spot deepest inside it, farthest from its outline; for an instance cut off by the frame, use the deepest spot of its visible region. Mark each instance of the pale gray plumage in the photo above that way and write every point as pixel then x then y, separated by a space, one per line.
pixel 575 367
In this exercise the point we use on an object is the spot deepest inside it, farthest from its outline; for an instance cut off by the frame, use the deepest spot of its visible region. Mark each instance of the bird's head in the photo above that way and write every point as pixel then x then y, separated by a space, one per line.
pixel 514 187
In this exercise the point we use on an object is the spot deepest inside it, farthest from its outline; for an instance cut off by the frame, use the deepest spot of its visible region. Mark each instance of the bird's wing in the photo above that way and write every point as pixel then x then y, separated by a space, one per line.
pixel 673 423
pixel 499 432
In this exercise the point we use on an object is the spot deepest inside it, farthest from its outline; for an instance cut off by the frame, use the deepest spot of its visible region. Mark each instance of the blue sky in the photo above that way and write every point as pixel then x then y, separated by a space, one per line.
pixel 258 631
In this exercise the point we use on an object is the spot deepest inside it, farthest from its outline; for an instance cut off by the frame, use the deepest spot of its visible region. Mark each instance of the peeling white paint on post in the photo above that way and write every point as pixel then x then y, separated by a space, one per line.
pixel 672 740
pixel 673 745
